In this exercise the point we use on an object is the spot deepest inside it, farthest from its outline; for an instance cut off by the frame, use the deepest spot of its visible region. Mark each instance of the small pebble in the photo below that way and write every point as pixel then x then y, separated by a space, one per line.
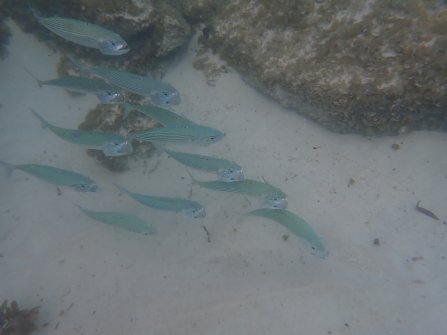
pixel 395 146
pixel 376 241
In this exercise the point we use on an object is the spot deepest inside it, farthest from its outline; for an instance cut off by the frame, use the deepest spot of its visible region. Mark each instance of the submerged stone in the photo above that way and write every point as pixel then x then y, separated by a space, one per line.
pixel 353 66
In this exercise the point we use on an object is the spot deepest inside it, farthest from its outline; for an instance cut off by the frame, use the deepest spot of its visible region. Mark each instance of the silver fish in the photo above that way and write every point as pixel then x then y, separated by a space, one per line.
pixel 86 34
pixel 160 92
pixel 56 176
pixel 121 220
pixel 92 139
pixel 296 225
pixel 179 205
pixel 227 171
pixel 114 149
pixel 272 196
pixel 163 116
pixel 199 134
pixel 106 94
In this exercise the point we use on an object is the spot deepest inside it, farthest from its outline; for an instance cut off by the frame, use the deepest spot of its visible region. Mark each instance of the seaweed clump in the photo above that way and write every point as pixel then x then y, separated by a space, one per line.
pixel 16 321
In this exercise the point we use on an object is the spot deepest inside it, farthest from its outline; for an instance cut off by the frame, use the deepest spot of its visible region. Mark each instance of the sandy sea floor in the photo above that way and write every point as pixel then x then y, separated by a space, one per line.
pixel 247 279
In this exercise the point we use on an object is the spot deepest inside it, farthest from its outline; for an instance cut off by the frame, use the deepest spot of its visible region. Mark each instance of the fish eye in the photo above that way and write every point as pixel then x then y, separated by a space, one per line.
pixel 113 43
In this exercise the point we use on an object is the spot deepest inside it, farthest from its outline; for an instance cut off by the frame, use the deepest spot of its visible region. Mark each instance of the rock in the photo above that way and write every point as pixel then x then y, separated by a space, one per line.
pixel 363 66
pixel 4 32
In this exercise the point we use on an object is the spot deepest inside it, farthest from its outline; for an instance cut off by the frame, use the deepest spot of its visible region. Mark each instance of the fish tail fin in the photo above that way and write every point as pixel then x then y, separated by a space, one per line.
pixel 39 82
pixel 8 167
pixel 121 189
pixel 84 69
pixel 127 108
pixel 43 122
pixel 129 136
pixel 35 13
pixel 194 180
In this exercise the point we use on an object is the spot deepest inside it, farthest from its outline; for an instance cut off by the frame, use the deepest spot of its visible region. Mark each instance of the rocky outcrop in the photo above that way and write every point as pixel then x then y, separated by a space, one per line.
pixel 364 66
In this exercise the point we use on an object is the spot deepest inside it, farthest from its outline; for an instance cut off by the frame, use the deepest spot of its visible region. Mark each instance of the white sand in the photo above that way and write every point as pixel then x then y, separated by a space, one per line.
pixel 248 280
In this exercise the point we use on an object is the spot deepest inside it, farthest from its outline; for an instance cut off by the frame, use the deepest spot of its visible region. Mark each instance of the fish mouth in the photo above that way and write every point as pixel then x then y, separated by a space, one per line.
pixel 123 47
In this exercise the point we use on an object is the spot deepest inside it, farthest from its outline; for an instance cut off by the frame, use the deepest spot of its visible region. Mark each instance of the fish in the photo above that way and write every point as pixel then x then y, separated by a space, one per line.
pixel 55 175
pixel 92 139
pixel 179 205
pixel 106 93
pixel 86 34
pixel 272 196
pixel 121 220
pixel 163 116
pixel 199 134
pixel 160 92
pixel 226 170
pixel 114 149
pixel 296 225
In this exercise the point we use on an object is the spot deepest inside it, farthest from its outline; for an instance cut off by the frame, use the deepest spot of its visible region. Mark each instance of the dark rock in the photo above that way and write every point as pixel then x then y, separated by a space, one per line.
pixel 4 32
pixel 353 66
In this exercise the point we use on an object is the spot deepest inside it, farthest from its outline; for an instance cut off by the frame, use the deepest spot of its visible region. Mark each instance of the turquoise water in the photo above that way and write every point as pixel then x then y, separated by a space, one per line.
pixel 225 273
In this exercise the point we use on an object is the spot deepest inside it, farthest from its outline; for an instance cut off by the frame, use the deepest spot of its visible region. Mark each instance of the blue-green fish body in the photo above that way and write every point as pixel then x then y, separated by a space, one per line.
pixel 199 134
pixel 121 220
pixel 163 116
pixel 178 205
pixel 160 92
pixel 56 176
pixel 92 139
pixel 272 196
pixel 227 171
pixel 86 34
pixel 106 94
pixel 295 224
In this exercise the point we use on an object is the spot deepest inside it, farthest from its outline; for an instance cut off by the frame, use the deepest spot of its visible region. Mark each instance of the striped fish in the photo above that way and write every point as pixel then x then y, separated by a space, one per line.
pixel 227 171
pixel 188 207
pixel 161 115
pixel 161 93
pixel 55 176
pixel 121 220
pixel 86 34
pixel 92 139
pixel 296 225
pixel 200 134
pixel 107 94
pixel 272 196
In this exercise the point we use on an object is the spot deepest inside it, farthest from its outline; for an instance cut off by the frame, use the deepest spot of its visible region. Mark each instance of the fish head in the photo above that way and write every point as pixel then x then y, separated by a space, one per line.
pixel 229 175
pixel 110 97
pixel 166 97
pixel 86 187
pixel 113 47
pixel 114 149
pixel 209 135
pixel 275 201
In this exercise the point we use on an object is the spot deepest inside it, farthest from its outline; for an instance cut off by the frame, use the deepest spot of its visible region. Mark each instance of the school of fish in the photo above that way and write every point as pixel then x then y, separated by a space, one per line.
pixel 110 86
